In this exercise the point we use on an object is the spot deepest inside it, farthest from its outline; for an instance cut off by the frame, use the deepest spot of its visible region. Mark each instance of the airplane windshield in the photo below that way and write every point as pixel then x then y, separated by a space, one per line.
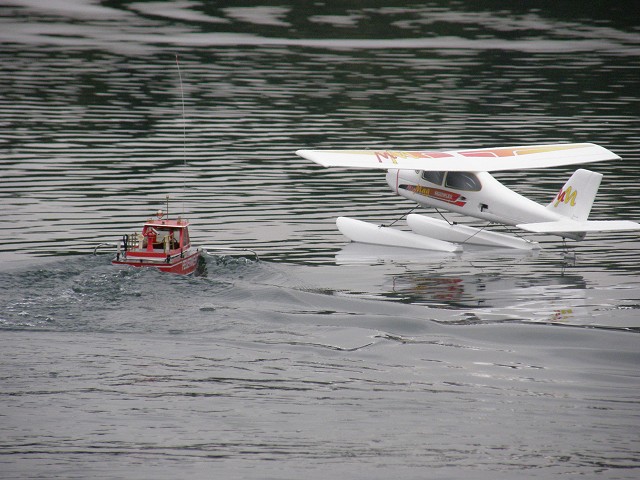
pixel 433 177
pixel 463 181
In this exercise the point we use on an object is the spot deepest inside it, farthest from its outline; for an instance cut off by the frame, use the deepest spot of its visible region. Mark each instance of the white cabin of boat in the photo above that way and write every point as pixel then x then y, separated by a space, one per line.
pixel 166 237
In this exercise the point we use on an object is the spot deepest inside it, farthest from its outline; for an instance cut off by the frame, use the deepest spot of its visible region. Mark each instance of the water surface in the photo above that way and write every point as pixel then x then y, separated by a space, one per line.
pixel 323 358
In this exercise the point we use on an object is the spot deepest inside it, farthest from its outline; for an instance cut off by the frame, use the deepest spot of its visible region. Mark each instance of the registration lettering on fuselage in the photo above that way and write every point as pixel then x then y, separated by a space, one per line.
pixel 437 194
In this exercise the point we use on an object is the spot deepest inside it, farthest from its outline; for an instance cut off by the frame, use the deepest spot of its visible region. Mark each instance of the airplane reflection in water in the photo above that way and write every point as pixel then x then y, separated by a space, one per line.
pixel 465 289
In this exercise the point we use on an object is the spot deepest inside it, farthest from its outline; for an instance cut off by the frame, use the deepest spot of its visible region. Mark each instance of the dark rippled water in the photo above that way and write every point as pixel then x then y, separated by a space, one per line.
pixel 323 359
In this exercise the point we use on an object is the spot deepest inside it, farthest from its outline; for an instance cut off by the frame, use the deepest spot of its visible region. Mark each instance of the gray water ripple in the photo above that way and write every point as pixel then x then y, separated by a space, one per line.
pixel 338 383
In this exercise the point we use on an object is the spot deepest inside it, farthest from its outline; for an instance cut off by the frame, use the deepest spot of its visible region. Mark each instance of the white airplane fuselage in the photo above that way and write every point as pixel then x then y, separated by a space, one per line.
pixel 476 194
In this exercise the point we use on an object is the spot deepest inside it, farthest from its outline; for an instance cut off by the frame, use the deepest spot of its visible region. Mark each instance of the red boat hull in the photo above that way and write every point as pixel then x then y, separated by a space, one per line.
pixel 179 265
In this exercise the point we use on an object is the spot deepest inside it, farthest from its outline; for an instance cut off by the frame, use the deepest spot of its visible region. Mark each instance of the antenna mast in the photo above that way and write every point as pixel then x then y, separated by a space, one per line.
pixel 184 137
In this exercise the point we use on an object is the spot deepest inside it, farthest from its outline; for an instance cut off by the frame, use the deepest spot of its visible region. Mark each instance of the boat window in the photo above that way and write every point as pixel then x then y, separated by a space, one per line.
pixel 162 232
pixel 433 177
pixel 168 235
pixel 463 181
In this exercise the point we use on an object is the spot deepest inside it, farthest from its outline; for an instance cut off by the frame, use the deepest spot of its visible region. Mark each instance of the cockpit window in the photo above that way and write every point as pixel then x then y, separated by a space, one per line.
pixel 433 177
pixel 463 181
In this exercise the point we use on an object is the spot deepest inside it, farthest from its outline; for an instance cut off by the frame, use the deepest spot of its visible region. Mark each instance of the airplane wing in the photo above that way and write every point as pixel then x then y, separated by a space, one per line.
pixel 474 160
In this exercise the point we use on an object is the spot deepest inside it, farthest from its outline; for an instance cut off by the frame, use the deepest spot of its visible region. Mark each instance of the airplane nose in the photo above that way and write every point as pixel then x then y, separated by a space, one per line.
pixel 392 179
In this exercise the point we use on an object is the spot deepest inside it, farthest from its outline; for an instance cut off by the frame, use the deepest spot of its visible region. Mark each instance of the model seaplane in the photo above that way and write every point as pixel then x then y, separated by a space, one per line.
pixel 460 181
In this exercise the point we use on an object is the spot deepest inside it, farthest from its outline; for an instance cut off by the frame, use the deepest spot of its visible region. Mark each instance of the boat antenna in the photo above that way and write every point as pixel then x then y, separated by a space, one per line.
pixel 184 137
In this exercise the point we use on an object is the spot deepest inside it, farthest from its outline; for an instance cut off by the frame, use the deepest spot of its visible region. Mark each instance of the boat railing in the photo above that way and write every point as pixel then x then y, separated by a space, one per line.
pixel 101 245
pixel 135 241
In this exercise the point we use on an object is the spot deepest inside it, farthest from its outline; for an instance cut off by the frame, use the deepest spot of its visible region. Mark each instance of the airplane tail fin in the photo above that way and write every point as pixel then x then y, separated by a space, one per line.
pixel 576 197
pixel 574 202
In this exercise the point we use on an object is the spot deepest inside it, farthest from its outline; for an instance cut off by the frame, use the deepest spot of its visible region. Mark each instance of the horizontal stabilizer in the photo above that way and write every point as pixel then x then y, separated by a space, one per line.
pixel 470 160
pixel 570 226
